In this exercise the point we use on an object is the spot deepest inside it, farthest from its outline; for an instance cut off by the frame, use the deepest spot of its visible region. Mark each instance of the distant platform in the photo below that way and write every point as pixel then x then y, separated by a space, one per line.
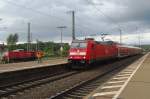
pixel 131 83
pixel 31 64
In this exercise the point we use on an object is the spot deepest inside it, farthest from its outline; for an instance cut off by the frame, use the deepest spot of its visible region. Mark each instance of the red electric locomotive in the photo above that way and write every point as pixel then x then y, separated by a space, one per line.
pixel 89 51
pixel 18 54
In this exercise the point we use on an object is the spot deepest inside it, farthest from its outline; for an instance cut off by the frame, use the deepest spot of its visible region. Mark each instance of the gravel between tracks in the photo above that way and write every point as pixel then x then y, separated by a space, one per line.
pixel 45 91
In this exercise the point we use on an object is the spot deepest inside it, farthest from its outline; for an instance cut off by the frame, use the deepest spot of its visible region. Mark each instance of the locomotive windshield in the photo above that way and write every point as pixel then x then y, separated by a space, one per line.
pixel 78 45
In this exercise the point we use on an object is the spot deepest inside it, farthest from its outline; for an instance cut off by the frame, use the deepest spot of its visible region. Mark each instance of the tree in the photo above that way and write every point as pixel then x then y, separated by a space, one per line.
pixel 15 38
pixel 9 39
pixel 12 39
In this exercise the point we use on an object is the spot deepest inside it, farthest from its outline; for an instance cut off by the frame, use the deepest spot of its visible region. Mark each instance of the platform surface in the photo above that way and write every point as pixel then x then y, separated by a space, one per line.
pixel 139 86
pixel 31 64
pixel 131 83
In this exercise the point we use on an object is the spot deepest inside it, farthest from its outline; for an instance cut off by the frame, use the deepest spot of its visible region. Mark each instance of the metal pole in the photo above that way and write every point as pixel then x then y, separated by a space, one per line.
pixel 61 49
pixel 61 36
pixel 73 25
pixel 139 39
pixel 119 50
pixel 29 38
pixel 120 36
pixel 37 44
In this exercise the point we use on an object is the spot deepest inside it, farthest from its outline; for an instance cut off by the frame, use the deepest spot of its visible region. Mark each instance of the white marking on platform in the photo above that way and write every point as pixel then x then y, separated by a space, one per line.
pixel 124 75
pixel 125 84
pixel 117 78
pixel 126 72
pixel 113 82
pixel 132 68
pixel 104 93
pixel 116 86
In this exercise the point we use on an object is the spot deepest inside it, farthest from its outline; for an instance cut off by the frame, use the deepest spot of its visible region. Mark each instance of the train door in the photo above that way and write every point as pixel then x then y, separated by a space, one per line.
pixel 93 57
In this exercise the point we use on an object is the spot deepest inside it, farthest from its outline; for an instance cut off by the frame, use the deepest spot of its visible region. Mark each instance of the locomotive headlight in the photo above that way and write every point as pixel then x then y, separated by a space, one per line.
pixel 82 53
pixel 73 53
pixel 5 54
pixel 70 56
pixel 84 57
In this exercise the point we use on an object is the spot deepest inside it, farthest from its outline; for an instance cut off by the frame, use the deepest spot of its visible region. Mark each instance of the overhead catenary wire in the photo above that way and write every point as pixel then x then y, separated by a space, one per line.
pixel 48 15
pixel 87 29
pixel 36 11
pixel 33 10
pixel 83 26
pixel 109 18
pixel 106 16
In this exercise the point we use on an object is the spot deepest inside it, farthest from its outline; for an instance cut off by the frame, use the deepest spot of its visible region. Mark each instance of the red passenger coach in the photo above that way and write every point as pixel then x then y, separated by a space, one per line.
pixel 125 50
pixel 89 51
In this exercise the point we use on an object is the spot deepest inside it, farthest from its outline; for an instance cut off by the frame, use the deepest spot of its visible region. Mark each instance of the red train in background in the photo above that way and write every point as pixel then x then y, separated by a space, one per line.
pixel 89 51
pixel 18 54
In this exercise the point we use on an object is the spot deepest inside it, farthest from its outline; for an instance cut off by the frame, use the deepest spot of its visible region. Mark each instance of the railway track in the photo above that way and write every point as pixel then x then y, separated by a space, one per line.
pixel 83 88
pixel 6 91
pixel 77 91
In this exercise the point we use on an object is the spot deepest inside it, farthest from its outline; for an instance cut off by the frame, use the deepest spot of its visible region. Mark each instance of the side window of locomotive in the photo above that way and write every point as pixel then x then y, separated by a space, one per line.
pixel 83 45
pixel 78 45
pixel 74 45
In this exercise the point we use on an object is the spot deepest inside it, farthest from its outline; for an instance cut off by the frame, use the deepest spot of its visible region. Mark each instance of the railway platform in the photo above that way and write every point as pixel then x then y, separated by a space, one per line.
pixel 30 64
pixel 131 83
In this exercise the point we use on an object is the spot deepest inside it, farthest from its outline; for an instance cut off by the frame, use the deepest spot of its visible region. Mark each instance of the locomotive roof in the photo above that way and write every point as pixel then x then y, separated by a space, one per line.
pixel 108 43
pixel 18 50
pixel 79 41
pixel 98 42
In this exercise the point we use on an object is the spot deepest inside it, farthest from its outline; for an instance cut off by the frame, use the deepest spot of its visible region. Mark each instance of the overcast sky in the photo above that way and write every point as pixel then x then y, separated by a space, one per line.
pixel 92 17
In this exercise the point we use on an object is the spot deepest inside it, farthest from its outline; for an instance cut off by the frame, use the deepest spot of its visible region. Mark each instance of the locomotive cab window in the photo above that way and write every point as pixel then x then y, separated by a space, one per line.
pixel 79 45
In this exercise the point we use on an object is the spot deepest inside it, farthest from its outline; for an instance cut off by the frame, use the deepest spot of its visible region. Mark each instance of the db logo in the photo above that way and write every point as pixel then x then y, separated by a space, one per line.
pixel 106 51
pixel 78 52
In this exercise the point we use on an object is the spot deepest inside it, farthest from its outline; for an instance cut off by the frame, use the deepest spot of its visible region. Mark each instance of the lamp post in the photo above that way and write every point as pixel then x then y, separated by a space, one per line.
pixel 61 31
